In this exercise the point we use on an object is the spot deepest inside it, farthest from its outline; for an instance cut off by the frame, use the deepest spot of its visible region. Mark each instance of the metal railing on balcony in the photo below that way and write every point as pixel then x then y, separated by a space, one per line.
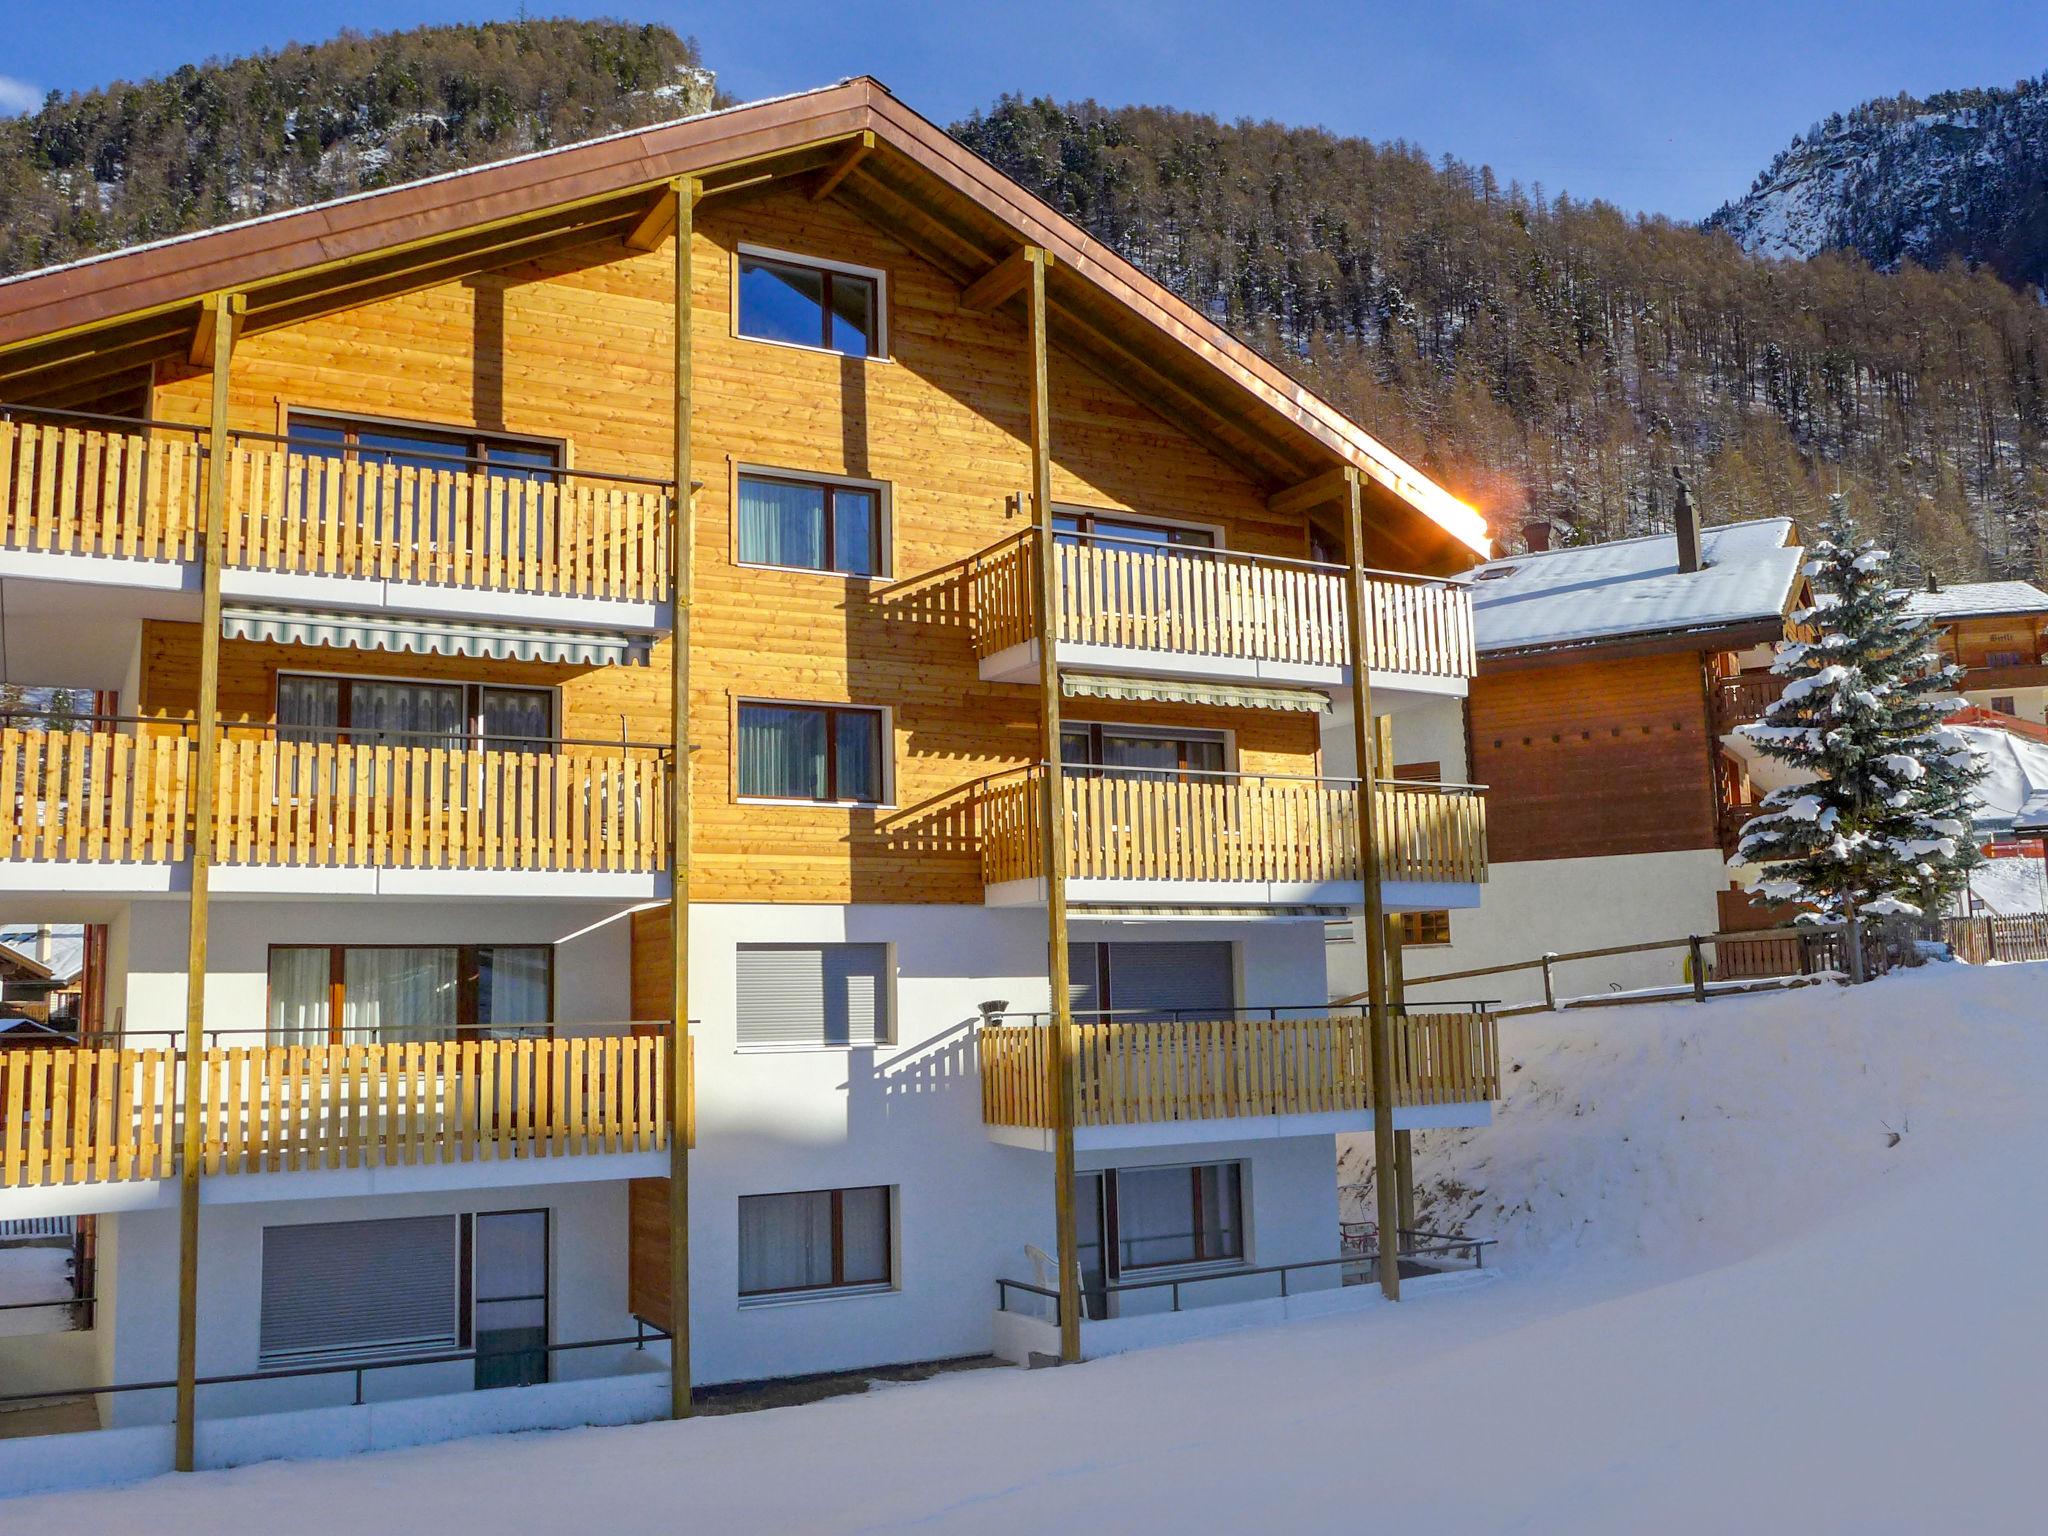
pixel 1189 601
pixel 1149 1071
pixel 95 1115
pixel 113 789
pixel 1137 824
pixel 72 483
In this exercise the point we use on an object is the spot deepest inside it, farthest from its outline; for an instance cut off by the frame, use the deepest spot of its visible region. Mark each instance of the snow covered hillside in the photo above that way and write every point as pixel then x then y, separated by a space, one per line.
pixel 1961 173
pixel 1770 1264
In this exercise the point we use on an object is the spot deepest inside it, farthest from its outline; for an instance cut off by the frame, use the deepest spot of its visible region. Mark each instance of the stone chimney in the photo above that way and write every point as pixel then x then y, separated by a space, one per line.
pixel 1686 517
pixel 1536 535
pixel 1933 582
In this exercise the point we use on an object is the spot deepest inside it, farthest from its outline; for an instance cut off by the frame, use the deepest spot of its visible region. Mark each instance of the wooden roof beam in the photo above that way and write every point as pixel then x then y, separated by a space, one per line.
pixel 1331 485
pixel 1006 278
pixel 216 310
pixel 944 248
pixel 844 166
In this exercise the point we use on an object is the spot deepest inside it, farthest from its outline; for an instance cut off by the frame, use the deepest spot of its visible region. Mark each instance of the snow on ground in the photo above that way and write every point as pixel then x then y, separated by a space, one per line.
pixel 1770 1263
pixel 34 1274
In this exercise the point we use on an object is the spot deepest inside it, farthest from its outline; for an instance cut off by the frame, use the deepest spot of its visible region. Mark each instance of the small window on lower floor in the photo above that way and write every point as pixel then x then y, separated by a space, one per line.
pixel 816 1240
pixel 2005 704
pixel 1419 929
pixel 342 1289
pixel 1161 1216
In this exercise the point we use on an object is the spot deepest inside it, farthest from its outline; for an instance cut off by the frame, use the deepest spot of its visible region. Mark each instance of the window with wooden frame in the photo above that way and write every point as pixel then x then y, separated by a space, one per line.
pixel 815 1241
pixel 402 712
pixel 793 523
pixel 1134 1219
pixel 801 301
pixel 1079 525
pixel 823 754
pixel 1109 750
pixel 332 994
pixel 367 440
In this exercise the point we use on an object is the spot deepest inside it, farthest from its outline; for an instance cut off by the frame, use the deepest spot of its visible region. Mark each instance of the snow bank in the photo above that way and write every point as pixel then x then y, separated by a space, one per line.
pixel 1718 1311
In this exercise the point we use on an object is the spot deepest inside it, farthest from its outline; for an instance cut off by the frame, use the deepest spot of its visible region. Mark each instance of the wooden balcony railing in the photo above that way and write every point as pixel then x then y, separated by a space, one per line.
pixel 94 796
pixel 134 490
pixel 1743 698
pixel 1222 604
pixel 1228 827
pixel 79 1115
pixel 596 809
pixel 108 795
pixel 1145 1072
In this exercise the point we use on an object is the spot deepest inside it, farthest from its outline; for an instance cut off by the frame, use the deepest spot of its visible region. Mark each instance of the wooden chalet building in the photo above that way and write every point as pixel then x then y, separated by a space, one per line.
pixel 1997 631
pixel 1611 678
pixel 769 560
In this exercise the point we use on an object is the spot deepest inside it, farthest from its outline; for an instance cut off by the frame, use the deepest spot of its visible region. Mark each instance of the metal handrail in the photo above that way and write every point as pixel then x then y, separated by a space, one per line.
pixel 643 1331
pixel 1037 1018
pixel 555 1029
pixel 1250 557
pixel 336 734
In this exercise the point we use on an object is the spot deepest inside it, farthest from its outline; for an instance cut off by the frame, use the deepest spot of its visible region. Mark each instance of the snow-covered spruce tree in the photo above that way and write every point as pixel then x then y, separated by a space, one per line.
pixel 1881 824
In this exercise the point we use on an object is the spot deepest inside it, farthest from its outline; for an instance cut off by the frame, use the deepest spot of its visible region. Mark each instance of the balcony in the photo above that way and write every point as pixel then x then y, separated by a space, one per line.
pixel 1742 699
pixel 311 525
pixel 107 806
pixel 1232 840
pixel 1218 614
pixel 1230 1079
pixel 75 1116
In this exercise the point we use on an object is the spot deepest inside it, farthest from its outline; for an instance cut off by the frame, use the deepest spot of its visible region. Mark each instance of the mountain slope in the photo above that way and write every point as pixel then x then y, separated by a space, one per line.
pixel 1962 174
pixel 1557 360
pixel 211 143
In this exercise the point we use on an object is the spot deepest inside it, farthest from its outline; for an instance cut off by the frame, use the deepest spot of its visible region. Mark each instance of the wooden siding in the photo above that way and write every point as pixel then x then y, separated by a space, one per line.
pixel 576 348
pixel 1594 758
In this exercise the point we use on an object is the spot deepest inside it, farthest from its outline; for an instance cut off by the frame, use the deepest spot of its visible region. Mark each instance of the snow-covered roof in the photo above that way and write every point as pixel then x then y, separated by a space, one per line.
pixel 1634 587
pixel 2013 794
pixel 67 947
pixel 1978 599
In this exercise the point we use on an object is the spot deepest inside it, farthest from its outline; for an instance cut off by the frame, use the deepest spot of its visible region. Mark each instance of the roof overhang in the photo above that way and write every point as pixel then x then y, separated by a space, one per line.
pixel 1737 636
pixel 67 328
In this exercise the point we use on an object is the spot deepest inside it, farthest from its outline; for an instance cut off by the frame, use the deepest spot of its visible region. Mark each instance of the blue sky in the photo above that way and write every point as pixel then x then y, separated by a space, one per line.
pixel 1662 105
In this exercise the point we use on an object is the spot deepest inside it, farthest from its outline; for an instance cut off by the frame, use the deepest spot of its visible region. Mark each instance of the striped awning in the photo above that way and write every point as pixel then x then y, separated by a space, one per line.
pixel 1163 690
pixel 1127 912
pixel 433 637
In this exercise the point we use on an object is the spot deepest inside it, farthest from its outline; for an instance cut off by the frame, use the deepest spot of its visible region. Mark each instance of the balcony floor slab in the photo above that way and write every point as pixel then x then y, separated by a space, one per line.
pixel 1195 1133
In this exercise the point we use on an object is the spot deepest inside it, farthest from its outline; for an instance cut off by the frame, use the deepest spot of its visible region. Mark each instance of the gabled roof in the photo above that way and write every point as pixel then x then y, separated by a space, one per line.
pixel 1631 590
pixel 125 308
pixel 1979 600
pixel 67 949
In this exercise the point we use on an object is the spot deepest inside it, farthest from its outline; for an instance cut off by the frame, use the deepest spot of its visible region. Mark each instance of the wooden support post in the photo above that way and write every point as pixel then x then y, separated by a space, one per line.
pixel 1549 982
pixel 1053 853
pixel 222 311
pixel 681 567
pixel 1696 955
pixel 1379 1034
pixel 1397 1004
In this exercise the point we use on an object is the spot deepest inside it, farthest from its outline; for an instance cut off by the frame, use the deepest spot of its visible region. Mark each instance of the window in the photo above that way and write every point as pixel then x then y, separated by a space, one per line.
pixel 508 1277
pixel 1078 526
pixel 2004 658
pixel 333 1290
pixel 346 993
pixel 354 440
pixel 371 711
pixel 1134 1219
pixel 807 303
pixel 820 1240
pixel 1109 749
pixel 1151 980
pixel 2005 703
pixel 1421 929
pixel 813 994
pixel 810 525
pixel 828 753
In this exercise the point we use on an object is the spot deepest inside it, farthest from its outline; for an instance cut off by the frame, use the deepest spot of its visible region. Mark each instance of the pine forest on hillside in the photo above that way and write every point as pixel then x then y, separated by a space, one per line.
pixel 1545 358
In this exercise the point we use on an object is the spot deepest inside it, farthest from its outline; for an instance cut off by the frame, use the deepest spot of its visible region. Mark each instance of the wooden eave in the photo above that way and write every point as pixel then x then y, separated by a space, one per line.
pixel 1737 636
pixel 70 328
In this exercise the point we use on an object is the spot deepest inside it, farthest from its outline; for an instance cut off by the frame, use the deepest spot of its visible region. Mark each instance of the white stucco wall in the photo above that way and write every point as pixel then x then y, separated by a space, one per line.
pixel 1560 905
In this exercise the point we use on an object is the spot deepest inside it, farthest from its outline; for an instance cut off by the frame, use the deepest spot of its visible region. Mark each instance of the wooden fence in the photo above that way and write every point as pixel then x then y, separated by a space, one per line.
pixel 332 804
pixel 94 796
pixel 1227 828
pixel 1218 603
pixel 1981 940
pixel 136 493
pixel 95 1116
pixel 1146 1072
pixel 73 490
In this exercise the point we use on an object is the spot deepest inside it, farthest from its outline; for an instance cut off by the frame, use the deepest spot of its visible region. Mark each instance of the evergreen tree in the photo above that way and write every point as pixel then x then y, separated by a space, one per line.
pixel 1881 823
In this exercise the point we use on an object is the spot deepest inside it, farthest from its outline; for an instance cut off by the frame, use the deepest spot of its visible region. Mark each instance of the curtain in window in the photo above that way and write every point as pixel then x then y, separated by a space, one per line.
pixel 782 752
pixel 785 1241
pixel 782 524
pixel 854 529
pixel 404 714
pixel 308 708
pixel 864 1235
pixel 398 994
pixel 515 715
pixel 511 988
pixel 859 745
pixel 298 996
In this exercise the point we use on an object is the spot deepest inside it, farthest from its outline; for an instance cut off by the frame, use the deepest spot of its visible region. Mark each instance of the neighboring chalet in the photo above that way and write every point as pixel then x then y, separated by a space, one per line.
pixel 1997 631
pixel 1611 677
pixel 720 726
